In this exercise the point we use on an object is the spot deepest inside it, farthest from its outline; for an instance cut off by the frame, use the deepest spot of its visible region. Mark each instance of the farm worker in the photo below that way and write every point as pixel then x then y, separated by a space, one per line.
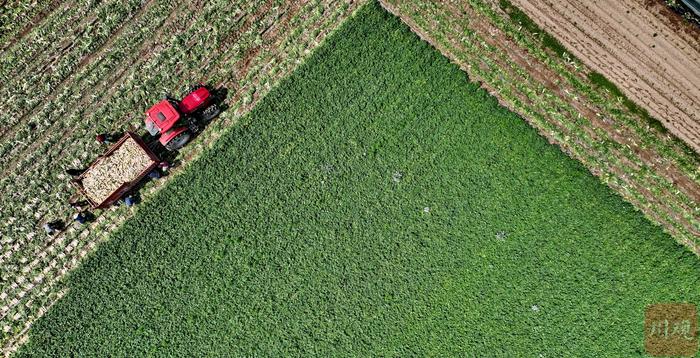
pixel 130 200
pixel 74 172
pixel 104 138
pixel 164 166
pixel 81 218
pixel 80 205
pixel 52 227
pixel 49 230
pixel 154 174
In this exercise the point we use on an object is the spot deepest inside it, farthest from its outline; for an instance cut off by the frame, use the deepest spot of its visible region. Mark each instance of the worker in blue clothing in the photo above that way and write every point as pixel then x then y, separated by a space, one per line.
pixel 129 200
pixel 81 217
pixel 154 174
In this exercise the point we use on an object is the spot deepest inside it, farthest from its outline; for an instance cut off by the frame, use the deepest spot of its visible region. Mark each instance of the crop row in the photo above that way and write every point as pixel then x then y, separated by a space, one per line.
pixel 45 40
pixel 145 68
pixel 616 148
pixel 23 93
pixel 566 119
pixel 650 132
pixel 158 72
pixel 207 33
pixel 47 165
pixel 18 16
pixel 112 111
pixel 630 135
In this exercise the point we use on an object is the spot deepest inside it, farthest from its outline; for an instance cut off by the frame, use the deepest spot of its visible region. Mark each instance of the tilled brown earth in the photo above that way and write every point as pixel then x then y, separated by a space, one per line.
pixel 651 169
pixel 642 47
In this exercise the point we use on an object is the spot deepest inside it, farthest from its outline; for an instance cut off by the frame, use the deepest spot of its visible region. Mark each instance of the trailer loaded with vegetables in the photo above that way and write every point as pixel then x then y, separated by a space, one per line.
pixel 121 168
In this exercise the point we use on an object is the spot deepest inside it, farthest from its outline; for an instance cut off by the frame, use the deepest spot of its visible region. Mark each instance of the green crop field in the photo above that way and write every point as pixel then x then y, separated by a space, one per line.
pixel 72 69
pixel 575 107
pixel 374 203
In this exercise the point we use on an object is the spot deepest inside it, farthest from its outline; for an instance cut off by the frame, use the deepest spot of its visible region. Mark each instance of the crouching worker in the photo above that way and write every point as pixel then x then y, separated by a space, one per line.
pixel 130 200
pixel 75 172
pixel 80 205
pixel 104 138
pixel 53 227
pixel 82 217
pixel 154 174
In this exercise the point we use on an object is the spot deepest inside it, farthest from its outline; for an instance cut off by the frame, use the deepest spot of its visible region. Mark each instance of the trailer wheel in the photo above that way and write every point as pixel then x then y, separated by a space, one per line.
pixel 211 112
pixel 178 142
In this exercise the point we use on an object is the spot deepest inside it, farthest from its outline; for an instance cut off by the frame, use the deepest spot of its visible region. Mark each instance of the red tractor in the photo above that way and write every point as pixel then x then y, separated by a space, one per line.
pixel 176 122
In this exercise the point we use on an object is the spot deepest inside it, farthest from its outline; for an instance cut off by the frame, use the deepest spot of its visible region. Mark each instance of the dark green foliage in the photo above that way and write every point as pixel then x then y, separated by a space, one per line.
pixel 375 203
pixel 603 83
pixel 520 17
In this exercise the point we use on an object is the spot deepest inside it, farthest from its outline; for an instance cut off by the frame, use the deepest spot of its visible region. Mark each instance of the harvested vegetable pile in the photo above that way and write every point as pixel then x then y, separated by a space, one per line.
pixel 122 166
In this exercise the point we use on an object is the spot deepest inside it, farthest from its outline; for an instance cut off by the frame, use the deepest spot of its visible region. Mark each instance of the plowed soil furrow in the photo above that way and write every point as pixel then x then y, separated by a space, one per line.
pixel 546 76
pixel 665 44
pixel 613 65
pixel 583 106
pixel 625 136
pixel 655 79
pixel 661 73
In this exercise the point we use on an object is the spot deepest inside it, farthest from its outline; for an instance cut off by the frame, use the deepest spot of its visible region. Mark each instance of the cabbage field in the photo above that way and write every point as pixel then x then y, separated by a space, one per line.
pixel 72 69
pixel 571 104
pixel 375 203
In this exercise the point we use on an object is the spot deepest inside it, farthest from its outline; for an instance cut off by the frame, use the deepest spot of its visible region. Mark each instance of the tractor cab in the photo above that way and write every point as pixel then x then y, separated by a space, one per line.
pixel 161 117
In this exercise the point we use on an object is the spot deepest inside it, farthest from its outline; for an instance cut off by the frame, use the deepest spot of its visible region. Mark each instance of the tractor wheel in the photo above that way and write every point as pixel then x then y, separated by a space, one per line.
pixel 178 142
pixel 211 112
pixel 193 126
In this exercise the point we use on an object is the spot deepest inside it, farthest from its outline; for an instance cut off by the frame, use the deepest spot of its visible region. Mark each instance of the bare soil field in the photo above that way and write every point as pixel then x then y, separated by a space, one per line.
pixel 533 76
pixel 649 52
pixel 88 67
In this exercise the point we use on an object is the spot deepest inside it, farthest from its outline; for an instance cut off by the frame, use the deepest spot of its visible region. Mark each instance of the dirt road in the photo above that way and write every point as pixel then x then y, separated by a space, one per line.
pixel 641 46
